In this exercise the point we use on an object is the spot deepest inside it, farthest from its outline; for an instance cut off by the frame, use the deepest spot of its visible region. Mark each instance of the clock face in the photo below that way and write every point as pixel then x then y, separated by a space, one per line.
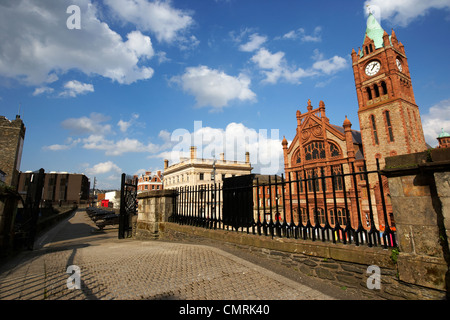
pixel 399 65
pixel 372 68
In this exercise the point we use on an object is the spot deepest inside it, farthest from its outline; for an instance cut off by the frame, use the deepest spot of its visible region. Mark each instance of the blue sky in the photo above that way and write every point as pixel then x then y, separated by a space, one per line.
pixel 142 80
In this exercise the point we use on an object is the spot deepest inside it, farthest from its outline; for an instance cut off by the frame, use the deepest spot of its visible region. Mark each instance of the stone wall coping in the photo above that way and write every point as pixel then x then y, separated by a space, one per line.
pixel 156 194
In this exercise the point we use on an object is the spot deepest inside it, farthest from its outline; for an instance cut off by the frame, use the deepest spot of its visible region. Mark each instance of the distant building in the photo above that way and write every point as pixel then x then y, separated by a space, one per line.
pixel 112 199
pixel 149 181
pixel 195 171
pixel 60 188
pixel 12 135
pixel 444 139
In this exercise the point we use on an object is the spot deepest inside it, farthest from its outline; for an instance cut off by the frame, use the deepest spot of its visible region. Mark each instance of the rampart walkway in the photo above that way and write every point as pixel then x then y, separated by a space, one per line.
pixel 131 269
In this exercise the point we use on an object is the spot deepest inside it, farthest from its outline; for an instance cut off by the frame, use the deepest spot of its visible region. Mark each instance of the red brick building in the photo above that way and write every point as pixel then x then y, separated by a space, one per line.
pixel 390 125
pixel 149 181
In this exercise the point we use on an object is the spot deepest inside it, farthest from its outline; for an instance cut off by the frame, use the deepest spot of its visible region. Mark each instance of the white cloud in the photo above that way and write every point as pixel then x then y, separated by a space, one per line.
pixel 301 34
pixel 70 143
pixel 402 12
pixel 214 88
pixel 158 17
pixel 37 46
pixel 275 67
pixel 255 42
pixel 88 125
pixel 41 90
pixel 119 147
pixel 103 167
pixel 140 44
pixel 437 118
pixel 331 66
pixel 124 125
pixel 74 88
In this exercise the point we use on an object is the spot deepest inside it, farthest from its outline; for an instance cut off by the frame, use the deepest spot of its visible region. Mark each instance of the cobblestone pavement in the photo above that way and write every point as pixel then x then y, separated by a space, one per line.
pixel 131 269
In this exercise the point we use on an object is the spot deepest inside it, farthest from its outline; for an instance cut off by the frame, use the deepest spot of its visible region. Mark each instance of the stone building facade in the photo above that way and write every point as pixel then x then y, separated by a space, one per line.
pixel 12 135
pixel 194 171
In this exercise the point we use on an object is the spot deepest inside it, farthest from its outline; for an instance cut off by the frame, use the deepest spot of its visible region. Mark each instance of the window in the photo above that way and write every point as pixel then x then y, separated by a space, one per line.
pixel 369 93
pixel 341 217
pixel 374 129
pixel 320 216
pixel 384 87
pixel 337 178
pixel 202 176
pixel 334 151
pixel 331 217
pixel 389 126
pixel 315 151
pixel 313 181
pixel 303 215
pixel 376 90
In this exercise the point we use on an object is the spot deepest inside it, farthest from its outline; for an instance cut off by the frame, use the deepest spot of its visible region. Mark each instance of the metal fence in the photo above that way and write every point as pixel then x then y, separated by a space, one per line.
pixel 343 206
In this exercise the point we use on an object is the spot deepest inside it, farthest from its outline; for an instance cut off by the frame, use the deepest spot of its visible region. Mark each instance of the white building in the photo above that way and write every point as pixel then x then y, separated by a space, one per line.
pixel 114 198
pixel 195 171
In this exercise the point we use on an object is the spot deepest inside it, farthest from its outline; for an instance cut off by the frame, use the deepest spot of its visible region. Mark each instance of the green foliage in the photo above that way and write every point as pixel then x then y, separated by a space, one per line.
pixel 394 255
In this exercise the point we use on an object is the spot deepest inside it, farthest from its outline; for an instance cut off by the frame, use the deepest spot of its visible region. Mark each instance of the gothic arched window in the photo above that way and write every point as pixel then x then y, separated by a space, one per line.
pixel 334 151
pixel 315 151
pixel 384 87
pixel 374 128
pixel 389 125
pixel 369 93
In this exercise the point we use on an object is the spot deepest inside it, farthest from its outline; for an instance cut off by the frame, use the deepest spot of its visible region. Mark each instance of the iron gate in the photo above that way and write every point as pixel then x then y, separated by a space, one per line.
pixel 128 205
pixel 238 201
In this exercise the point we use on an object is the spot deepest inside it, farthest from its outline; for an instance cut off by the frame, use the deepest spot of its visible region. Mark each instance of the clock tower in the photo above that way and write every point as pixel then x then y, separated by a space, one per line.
pixel 389 118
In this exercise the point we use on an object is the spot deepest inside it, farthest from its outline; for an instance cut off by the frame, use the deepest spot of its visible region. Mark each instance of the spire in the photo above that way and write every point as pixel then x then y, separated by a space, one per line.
pixel 374 31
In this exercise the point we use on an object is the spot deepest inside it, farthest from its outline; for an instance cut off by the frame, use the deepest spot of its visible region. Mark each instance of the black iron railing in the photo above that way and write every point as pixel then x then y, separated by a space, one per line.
pixel 349 207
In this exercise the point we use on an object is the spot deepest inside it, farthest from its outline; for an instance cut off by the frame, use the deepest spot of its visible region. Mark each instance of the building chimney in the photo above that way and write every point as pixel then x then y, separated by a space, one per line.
pixel 222 156
pixel 247 157
pixel 166 164
pixel 193 153
pixel 158 173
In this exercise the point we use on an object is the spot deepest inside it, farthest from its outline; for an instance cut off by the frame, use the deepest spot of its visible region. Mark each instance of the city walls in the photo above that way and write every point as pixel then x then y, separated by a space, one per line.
pixel 417 269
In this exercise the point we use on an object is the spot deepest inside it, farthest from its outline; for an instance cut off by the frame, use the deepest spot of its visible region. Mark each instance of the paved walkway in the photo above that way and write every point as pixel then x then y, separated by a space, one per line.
pixel 131 269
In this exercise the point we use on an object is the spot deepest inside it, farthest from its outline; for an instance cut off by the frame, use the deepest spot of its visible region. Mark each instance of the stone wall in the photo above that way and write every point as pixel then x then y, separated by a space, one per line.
pixel 344 266
pixel 154 209
pixel 11 133
pixel 420 193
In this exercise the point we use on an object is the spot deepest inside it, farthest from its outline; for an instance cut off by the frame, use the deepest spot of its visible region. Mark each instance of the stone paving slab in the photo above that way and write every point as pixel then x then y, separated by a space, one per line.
pixel 114 269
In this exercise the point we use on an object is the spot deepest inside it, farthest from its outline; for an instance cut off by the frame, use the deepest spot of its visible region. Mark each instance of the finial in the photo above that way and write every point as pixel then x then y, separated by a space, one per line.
pixel 309 105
